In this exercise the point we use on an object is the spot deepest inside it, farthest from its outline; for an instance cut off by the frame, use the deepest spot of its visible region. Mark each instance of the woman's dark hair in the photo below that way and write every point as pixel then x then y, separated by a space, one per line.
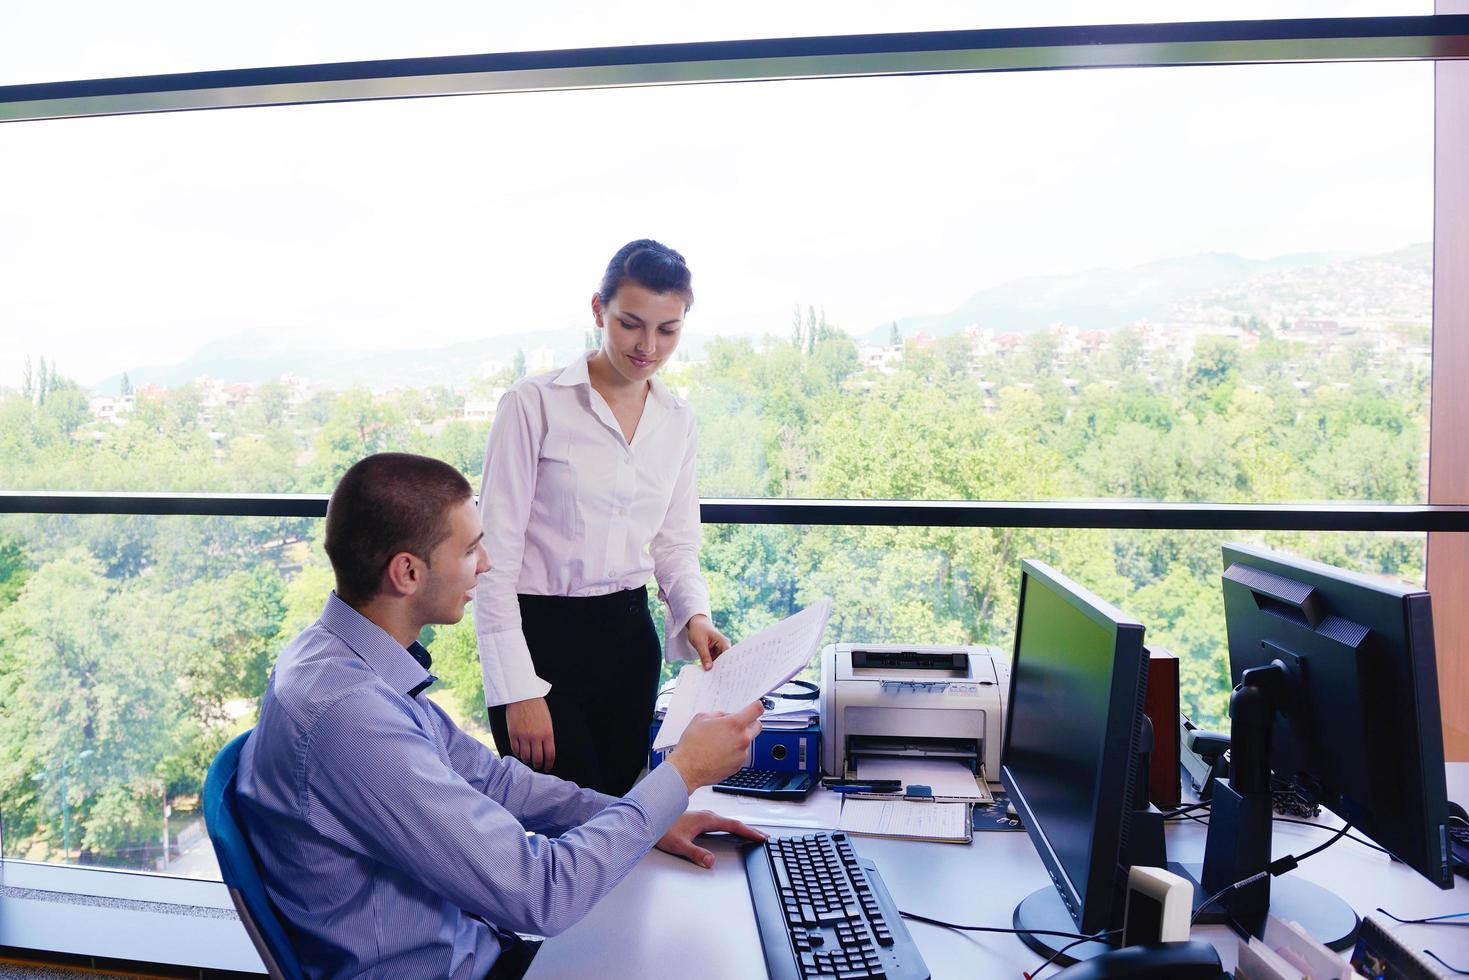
pixel 651 265
pixel 386 504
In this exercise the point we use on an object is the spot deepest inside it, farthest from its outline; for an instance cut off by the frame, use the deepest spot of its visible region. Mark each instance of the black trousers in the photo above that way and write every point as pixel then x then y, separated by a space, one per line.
pixel 514 959
pixel 600 655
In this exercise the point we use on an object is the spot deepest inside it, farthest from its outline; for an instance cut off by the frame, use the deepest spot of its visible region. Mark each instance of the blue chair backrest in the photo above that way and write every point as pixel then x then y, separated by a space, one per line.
pixel 237 864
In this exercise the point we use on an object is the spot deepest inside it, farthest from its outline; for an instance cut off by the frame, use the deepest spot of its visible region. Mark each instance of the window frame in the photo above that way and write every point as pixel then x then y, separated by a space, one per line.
pixel 1439 37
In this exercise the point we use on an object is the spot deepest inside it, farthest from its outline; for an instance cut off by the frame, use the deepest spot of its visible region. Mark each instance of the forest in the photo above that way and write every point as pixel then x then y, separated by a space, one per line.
pixel 132 648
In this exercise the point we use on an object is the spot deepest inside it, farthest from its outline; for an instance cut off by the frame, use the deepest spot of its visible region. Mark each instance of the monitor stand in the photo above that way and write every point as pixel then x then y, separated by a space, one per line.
pixel 1240 825
pixel 1242 819
pixel 1321 913
pixel 1324 916
pixel 1043 910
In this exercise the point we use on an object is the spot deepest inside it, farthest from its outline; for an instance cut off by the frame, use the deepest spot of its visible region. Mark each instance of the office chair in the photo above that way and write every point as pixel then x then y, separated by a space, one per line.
pixel 237 865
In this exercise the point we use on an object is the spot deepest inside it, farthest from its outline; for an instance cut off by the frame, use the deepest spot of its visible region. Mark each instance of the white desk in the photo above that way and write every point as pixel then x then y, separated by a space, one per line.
pixel 671 919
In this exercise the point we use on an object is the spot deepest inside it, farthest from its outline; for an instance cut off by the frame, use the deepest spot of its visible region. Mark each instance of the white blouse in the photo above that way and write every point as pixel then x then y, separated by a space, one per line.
pixel 571 508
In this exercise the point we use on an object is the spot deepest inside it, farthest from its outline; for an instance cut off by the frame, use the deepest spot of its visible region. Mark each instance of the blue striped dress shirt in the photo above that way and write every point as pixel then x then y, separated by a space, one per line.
pixel 392 843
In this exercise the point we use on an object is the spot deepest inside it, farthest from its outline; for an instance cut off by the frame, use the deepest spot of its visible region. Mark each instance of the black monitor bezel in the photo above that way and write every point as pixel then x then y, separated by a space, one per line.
pixel 1118 762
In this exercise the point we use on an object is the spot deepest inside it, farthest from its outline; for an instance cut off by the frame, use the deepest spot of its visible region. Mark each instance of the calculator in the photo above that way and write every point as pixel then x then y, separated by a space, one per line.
pixel 768 784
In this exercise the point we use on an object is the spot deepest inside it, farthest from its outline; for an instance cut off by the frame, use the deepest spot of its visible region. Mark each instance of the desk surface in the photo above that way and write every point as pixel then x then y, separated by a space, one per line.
pixel 670 918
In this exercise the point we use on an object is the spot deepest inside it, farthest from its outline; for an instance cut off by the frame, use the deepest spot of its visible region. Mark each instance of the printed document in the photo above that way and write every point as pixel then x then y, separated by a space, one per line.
pixel 746 671
pixel 914 819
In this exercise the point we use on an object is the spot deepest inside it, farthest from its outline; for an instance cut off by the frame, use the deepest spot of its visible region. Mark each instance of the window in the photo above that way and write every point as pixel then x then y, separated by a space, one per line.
pixel 1174 284
pixel 1179 284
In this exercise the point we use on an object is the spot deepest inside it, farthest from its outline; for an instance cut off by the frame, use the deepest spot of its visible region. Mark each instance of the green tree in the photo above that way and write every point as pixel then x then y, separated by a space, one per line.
pixel 954 353
pixel 359 425
pixel 14 570
pixel 1215 361
pixel 87 696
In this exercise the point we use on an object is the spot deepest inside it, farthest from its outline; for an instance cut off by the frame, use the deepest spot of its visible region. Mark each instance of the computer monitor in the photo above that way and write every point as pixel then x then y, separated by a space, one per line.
pixel 1071 762
pixel 1336 696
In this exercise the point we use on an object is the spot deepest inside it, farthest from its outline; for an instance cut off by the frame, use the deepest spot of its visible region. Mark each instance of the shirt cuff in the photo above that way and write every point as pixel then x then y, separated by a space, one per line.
pixel 509 673
pixel 683 605
pixel 662 796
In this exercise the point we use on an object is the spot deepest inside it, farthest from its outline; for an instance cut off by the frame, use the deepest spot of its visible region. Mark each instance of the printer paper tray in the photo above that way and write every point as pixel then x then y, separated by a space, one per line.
pixel 945 783
pixel 915 748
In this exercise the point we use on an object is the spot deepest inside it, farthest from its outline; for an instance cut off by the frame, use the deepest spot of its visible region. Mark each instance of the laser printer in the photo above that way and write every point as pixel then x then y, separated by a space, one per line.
pixel 915 702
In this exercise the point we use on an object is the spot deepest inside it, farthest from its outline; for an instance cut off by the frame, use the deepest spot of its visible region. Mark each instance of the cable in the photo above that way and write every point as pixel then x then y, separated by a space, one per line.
pixel 1180 810
pixel 1178 815
pixel 1076 937
pixel 1275 868
pixel 1225 891
pixel 1315 850
pixel 1053 957
pixel 1014 932
pixel 1432 920
pixel 1360 840
pixel 1451 969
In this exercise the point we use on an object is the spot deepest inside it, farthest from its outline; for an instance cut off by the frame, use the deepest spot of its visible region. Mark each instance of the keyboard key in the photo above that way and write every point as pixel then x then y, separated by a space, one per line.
pixel 831 908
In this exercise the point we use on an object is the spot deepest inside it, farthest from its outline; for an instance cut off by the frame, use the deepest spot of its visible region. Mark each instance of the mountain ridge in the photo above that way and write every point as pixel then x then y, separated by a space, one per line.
pixel 1101 298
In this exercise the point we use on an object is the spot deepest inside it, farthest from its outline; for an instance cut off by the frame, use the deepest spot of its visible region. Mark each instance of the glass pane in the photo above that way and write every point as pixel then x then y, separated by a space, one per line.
pixel 1178 284
pixel 45 43
pixel 960 585
pixel 132 648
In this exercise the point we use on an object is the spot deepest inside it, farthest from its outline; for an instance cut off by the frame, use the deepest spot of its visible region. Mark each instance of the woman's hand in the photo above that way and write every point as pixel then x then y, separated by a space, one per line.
pixel 707 641
pixel 531 738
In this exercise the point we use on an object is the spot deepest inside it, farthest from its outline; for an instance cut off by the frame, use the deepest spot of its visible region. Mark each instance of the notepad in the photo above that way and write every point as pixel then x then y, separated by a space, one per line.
pixel 746 671
pixel 912 819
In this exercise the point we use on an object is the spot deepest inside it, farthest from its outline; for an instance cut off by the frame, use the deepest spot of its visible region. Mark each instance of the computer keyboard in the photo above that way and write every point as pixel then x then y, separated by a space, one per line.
pixel 768 784
pixel 824 912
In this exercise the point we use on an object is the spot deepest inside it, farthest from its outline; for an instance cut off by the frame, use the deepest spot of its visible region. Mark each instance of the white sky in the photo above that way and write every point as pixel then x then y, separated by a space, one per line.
pixel 133 240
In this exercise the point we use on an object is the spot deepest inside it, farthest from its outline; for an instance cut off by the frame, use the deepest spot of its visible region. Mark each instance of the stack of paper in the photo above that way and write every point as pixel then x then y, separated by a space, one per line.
pixel 745 672
pixel 785 716
pixel 789 715
pixel 949 781
pixel 946 822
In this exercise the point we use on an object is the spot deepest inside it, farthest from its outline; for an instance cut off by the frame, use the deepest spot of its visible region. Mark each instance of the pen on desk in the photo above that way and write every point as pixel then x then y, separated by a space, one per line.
pixel 864 788
pixel 831 781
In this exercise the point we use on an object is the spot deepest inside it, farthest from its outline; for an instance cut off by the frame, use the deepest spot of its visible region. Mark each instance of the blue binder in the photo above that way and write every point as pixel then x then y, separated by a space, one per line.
pixel 776 750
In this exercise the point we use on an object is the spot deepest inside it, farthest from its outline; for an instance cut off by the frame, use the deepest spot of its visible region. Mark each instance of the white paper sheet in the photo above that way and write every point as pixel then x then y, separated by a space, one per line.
pixel 748 670
pixel 907 818
pixel 819 810
pixel 945 777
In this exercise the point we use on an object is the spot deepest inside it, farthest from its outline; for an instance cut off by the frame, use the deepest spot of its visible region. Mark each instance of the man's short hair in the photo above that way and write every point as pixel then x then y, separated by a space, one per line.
pixel 386 504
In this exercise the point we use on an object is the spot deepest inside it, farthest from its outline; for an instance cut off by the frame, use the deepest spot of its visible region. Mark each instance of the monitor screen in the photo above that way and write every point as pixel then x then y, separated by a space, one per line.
pixel 1070 757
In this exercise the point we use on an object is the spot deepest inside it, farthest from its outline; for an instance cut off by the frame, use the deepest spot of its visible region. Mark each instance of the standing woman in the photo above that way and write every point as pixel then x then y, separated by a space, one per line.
pixel 589 487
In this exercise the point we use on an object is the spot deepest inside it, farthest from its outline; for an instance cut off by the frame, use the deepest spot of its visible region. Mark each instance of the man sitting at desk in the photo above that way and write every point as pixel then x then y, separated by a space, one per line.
pixel 390 842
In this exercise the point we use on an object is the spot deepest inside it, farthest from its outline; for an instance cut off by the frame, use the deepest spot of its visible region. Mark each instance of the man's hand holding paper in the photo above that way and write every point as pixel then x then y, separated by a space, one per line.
pixel 745 672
